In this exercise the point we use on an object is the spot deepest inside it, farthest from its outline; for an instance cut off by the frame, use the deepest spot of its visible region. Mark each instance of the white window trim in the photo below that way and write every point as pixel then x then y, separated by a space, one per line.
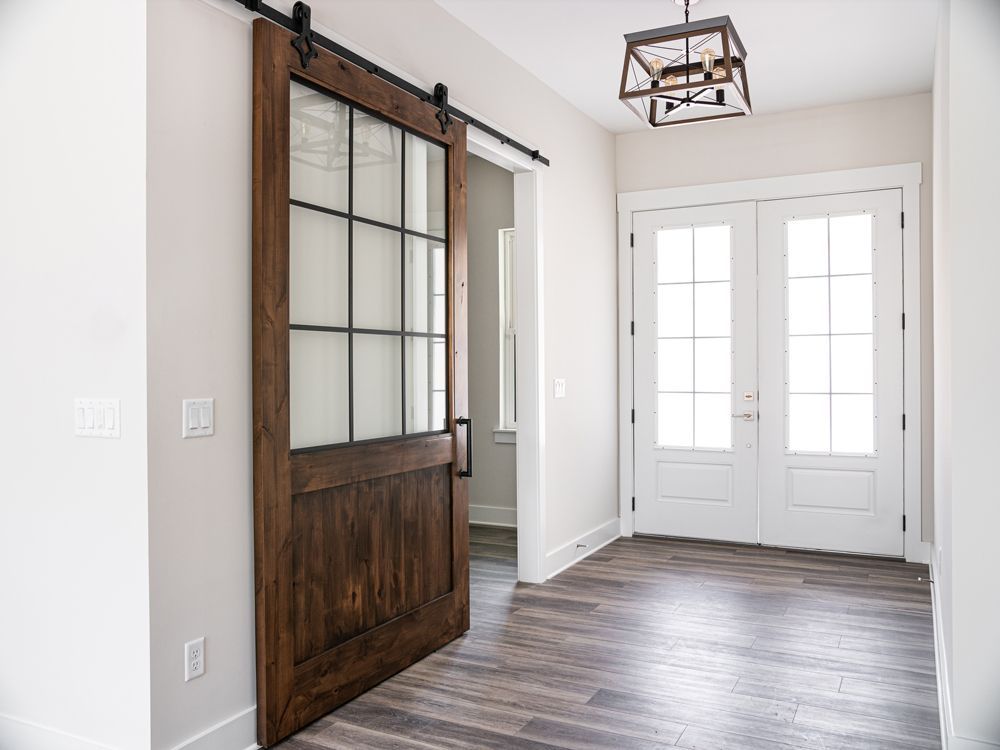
pixel 907 177
pixel 506 429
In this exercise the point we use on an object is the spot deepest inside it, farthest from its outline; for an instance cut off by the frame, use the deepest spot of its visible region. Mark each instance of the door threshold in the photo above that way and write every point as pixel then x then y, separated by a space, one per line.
pixel 757 545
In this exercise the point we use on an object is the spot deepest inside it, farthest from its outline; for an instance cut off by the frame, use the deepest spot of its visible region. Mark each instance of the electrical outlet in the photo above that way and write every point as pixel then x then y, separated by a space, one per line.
pixel 194 659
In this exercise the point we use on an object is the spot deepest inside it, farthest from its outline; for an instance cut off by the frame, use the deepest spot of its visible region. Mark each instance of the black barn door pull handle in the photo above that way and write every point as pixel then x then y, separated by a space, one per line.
pixel 466 422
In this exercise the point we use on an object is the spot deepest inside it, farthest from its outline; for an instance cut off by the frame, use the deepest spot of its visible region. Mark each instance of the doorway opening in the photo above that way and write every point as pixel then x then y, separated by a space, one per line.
pixel 771 339
pixel 492 366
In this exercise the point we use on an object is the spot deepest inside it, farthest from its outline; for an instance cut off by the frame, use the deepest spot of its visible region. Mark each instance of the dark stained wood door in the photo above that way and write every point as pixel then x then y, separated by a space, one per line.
pixel 359 378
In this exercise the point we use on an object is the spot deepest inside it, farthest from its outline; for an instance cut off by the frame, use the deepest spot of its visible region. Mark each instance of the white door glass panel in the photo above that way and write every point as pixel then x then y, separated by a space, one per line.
pixel 318 148
pixel 712 253
pixel 377 386
pixel 713 423
pixel 807 248
pixel 808 364
pixel 317 250
pixel 426 176
pixel 318 390
pixel 675 365
pixel 377 286
pixel 851 304
pixel 831 470
pixel 809 423
pixel 695 296
pixel 675 315
pixel 675 256
pixel 808 306
pixel 675 418
pixel 712 312
pixel 851 244
pixel 426 300
pixel 853 423
pixel 853 363
pixel 713 372
pixel 378 169
pixel 426 377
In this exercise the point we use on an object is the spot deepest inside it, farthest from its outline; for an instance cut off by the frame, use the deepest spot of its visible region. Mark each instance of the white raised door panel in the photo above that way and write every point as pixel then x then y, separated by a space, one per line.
pixel 831 372
pixel 695 358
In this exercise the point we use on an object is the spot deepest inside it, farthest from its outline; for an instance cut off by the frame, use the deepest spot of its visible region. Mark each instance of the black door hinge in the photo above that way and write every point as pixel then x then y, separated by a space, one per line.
pixel 904 421
pixel 631 239
pixel 441 100
pixel 904 517
pixel 633 505
pixel 633 328
pixel 304 43
pixel 904 321
pixel 633 416
pixel 902 220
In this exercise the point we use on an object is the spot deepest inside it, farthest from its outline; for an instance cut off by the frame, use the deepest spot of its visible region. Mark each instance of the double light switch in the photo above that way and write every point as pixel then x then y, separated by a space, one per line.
pixel 198 417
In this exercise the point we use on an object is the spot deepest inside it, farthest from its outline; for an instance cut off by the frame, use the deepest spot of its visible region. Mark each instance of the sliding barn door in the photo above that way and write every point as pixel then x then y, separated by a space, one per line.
pixel 359 367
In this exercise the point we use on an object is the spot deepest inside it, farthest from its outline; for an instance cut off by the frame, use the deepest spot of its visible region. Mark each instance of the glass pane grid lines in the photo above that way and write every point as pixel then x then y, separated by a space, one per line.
pixel 693 372
pixel 387 377
pixel 830 345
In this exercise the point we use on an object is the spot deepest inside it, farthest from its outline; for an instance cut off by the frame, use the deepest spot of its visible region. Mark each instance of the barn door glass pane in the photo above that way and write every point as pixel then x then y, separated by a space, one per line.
pixel 830 343
pixel 368 271
pixel 694 347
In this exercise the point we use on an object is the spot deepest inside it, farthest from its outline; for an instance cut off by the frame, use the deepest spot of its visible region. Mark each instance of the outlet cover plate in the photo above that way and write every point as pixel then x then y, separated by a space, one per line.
pixel 194 659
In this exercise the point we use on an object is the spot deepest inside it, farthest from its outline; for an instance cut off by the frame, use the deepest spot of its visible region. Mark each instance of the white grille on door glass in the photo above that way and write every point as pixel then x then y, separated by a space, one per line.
pixel 694 337
pixel 830 342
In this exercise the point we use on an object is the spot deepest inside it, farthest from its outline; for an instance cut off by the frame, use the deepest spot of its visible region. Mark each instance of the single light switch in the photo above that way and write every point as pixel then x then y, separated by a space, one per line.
pixel 559 388
pixel 197 417
pixel 97 417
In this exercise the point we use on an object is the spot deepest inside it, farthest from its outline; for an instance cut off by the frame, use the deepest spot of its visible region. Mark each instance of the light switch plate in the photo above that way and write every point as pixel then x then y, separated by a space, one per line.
pixel 559 388
pixel 197 417
pixel 97 417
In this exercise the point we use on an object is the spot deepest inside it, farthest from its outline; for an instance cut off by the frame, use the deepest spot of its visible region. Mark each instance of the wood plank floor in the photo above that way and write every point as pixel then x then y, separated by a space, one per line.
pixel 653 643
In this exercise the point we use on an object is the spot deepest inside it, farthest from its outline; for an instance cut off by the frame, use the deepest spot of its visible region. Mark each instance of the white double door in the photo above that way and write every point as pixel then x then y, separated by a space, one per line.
pixel 768 365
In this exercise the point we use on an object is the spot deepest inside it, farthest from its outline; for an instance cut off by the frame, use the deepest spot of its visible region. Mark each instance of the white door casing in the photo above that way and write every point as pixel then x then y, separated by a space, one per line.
pixel 831 372
pixel 694 359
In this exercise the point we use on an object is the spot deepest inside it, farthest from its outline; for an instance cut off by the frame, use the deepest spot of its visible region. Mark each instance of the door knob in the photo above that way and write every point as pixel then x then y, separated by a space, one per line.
pixel 746 416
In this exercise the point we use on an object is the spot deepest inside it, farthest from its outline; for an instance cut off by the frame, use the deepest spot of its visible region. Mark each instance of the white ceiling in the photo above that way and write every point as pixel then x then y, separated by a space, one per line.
pixel 800 53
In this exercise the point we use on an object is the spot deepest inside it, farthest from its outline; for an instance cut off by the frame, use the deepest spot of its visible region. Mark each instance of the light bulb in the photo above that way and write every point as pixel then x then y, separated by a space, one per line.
pixel 718 72
pixel 655 68
pixel 708 59
pixel 670 80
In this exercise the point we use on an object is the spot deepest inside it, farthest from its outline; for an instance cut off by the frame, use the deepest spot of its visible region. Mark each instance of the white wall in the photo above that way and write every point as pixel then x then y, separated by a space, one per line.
pixel 198 286
pixel 967 558
pixel 846 136
pixel 199 326
pixel 493 487
pixel 74 659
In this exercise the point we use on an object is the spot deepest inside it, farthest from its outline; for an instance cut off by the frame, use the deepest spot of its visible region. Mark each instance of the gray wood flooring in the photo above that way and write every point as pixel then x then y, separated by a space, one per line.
pixel 653 643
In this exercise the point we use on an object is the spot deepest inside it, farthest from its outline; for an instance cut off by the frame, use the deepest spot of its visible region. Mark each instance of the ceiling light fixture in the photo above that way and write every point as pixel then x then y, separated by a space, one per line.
pixel 676 74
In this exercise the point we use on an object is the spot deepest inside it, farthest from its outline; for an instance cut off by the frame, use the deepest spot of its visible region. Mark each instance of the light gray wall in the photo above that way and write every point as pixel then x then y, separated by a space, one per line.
pixel 74 606
pixel 492 490
pixel 846 136
pixel 199 335
pixel 967 367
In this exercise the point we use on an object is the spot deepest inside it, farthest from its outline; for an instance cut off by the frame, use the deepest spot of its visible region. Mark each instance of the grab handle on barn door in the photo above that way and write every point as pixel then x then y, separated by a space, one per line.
pixel 466 422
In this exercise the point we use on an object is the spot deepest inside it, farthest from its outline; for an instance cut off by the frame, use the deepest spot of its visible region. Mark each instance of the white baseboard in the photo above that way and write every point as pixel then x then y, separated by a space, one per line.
pixel 949 739
pixel 238 732
pixel 492 515
pixel 21 734
pixel 586 544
